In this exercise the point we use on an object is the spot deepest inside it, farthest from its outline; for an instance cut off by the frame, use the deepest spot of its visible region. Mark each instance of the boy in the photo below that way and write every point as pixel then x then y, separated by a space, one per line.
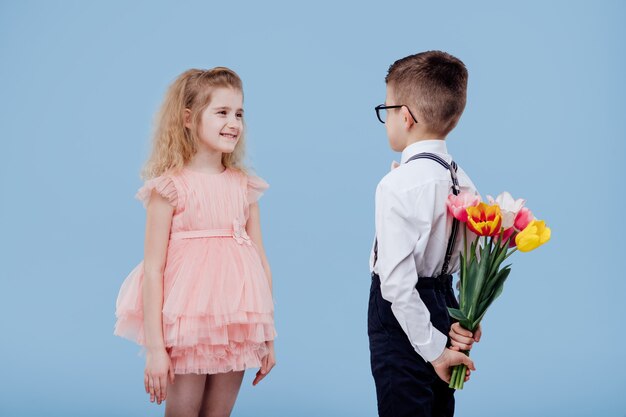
pixel 416 249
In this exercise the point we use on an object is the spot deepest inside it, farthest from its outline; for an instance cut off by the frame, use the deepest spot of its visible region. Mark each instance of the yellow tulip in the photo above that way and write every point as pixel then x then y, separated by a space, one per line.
pixel 533 236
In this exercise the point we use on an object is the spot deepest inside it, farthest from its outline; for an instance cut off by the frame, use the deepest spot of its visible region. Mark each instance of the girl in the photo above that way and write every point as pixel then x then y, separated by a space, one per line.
pixel 201 300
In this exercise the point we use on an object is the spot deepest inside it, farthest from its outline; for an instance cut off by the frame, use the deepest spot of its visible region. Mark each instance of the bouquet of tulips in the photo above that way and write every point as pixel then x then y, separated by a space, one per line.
pixel 501 227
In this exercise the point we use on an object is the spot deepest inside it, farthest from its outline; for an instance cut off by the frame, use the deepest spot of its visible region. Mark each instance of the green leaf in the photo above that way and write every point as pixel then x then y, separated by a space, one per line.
pixel 495 291
pixel 494 281
pixel 478 275
pixel 457 314
pixel 499 256
pixel 472 288
pixel 463 321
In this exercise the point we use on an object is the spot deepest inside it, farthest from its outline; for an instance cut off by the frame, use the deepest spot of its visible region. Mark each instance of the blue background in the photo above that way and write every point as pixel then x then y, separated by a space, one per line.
pixel 80 84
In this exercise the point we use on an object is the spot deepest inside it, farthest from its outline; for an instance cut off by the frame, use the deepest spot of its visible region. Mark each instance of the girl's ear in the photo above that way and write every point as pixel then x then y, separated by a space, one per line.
pixel 187 118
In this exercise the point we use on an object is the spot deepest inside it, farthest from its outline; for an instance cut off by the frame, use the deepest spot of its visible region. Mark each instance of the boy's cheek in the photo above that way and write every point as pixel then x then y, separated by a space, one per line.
pixel 394 142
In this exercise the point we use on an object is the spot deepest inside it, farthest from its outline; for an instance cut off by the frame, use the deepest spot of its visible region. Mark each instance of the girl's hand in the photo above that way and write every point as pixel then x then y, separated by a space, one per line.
pixel 463 338
pixel 158 366
pixel 267 363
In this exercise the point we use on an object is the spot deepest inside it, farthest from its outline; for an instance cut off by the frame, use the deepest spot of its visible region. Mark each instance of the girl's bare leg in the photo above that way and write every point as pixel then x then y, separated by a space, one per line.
pixel 184 397
pixel 220 393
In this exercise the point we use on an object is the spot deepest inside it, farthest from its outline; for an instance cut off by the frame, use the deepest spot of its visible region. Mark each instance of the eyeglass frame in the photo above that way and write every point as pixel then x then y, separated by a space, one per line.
pixel 384 107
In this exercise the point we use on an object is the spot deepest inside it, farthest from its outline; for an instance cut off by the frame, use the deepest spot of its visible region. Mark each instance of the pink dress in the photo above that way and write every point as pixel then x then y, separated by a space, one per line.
pixel 217 303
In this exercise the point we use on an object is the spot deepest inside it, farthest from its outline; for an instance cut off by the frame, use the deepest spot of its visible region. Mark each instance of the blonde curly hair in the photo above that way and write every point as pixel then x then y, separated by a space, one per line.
pixel 173 144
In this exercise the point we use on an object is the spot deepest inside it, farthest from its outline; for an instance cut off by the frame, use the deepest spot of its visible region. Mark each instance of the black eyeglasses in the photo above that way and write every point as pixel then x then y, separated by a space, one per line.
pixel 382 116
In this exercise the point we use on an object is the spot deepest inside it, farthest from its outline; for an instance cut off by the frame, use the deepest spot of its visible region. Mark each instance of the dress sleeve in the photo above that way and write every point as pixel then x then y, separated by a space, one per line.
pixel 256 188
pixel 163 185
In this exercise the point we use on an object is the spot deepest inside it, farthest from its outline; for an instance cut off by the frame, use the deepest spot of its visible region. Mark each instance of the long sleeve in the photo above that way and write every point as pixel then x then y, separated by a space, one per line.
pixel 403 228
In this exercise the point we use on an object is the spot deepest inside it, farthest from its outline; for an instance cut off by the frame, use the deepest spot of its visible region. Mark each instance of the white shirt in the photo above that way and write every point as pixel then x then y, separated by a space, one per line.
pixel 413 228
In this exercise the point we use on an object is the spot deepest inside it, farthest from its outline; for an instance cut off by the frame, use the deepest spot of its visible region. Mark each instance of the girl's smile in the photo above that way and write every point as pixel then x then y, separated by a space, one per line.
pixel 221 122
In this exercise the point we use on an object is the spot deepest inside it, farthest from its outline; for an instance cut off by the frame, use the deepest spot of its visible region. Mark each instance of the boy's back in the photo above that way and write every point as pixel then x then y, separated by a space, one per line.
pixel 408 322
pixel 419 190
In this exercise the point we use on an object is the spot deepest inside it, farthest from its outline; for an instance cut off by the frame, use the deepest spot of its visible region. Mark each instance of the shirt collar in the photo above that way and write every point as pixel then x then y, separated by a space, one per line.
pixel 430 145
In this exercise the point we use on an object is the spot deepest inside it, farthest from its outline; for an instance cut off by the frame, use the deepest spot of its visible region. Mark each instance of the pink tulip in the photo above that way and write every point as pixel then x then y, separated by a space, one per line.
pixel 523 218
pixel 458 204
pixel 507 233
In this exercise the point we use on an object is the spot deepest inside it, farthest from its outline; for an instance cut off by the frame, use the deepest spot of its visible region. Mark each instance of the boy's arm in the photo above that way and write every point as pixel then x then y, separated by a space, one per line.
pixel 399 228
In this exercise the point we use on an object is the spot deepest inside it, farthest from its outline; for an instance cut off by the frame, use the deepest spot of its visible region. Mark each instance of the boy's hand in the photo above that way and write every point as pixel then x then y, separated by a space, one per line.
pixel 463 338
pixel 449 358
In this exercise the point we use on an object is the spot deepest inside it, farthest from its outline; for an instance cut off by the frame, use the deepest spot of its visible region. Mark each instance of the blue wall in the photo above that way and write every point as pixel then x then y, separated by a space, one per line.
pixel 80 82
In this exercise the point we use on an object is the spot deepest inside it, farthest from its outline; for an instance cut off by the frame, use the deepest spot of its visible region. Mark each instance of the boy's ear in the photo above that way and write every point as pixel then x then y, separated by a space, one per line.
pixel 407 119
pixel 187 118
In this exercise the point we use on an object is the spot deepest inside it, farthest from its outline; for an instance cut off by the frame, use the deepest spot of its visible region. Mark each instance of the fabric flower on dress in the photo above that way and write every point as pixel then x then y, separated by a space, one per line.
pixel 239 233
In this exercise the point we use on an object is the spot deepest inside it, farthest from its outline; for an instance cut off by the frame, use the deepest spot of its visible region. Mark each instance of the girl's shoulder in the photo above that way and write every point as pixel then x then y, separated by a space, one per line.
pixel 254 185
pixel 175 184
pixel 168 185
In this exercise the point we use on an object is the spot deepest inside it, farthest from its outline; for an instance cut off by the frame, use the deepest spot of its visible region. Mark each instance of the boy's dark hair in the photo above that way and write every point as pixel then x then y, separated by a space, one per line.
pixel 433 82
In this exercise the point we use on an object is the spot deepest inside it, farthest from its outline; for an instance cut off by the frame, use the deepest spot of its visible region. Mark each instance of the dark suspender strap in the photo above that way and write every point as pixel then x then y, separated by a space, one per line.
pixel 456 189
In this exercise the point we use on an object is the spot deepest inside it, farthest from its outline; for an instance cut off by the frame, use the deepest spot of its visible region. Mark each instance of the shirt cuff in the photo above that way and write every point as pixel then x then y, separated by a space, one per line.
pixel 435 347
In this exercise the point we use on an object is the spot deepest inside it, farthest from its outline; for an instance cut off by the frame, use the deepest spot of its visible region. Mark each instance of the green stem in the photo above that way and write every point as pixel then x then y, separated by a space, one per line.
pixel 457 379
pixel 509 254
pixel 453 377
pixel 463 272
pixel 461 377
pixel 465 241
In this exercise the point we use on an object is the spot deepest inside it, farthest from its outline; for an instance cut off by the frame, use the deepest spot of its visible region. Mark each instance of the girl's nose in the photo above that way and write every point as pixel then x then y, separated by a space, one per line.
pixel 234 121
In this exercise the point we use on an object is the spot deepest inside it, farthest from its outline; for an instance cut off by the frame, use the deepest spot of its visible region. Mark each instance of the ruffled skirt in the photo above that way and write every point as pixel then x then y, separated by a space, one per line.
pixel 217 308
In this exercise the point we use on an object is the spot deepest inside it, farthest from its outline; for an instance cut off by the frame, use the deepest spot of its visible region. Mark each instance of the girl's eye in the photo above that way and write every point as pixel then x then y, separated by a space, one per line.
pixel 222 112
pixel 240 115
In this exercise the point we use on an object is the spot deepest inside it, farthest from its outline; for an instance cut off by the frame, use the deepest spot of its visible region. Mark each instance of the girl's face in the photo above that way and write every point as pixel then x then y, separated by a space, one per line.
pixel 221 122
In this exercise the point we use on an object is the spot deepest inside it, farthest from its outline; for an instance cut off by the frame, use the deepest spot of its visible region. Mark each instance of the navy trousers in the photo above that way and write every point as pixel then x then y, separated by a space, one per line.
pixel 406 385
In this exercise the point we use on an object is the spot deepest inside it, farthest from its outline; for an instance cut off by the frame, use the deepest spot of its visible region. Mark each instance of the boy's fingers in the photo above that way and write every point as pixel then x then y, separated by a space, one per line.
pixel 465 340
pixel 470 364
pixel 462 345
pixel 468 340
pixel 460 330
pixel 478 334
